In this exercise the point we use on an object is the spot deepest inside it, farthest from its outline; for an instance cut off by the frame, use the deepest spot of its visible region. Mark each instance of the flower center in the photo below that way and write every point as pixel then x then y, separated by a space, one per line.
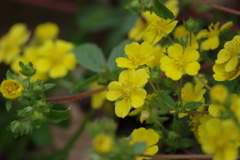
pixel 180 64
pixel 11 88
pixel 127 88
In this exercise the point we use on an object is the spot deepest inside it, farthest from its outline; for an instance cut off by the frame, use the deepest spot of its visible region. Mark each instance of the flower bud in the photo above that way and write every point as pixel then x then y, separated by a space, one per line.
pixel 27 70
pixel 190 25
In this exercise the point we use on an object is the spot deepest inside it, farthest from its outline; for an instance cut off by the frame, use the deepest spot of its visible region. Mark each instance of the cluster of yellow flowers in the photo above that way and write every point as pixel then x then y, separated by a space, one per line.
pixel 51 57
pixel 216 136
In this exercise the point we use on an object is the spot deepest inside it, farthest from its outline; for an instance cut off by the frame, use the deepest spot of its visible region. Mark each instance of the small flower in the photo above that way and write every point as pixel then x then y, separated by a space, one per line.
pixel 11 42
pixel 103 144
pixel 212 34
pixel 158 53
pixel 219 94
pixel 220 138
pixel 180 31
pixel 128 91
pixel 11 89
pixel 179 62
pixel 141 24
pixel 56 58
pixel 149 136
pixel 230 54
pixel 158 29
pixel 137 55
pixel 47 31
pixel 220 74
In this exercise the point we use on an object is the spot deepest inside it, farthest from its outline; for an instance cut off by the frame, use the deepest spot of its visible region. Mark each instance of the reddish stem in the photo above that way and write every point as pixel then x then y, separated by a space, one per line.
pixel 76 96
pixel 218 7
pixel 178 156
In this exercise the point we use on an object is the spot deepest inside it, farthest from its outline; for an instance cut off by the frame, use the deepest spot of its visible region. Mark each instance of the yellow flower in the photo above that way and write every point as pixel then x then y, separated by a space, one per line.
pixel 180 31
pixel 128 91
pixel 219 94
pixel 212 34
pixel 220 138
pixel 158 53
pixel 136 33
pixel 158 29
pixel 137 55
pixel 149 136
pixel 103 144
pixel 11 42
pixel 230 54
pixel 56 58
pixel 30 54
pixel 11 89
pixel 190 93
pixel 46 31
pixel 97 99
pixel 220 74
pixel 179 62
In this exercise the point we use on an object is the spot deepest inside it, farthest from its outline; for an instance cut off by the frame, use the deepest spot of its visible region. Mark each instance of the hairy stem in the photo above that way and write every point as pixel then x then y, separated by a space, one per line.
pixel 76 96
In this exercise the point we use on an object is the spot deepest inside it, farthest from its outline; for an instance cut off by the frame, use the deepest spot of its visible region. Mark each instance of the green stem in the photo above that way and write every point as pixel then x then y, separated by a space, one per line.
pixel 79 131
pixel 205 84
pixel 207 57
pixel 154 88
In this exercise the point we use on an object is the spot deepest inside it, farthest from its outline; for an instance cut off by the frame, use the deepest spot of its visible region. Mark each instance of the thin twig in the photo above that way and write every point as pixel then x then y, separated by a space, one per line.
pixel 218 7
pixel 76 96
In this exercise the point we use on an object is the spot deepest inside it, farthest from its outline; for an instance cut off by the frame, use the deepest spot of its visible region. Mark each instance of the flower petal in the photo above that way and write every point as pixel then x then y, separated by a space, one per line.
pixel 137 98
pixel 175 51
pixel 122 108
pixel 192 68
pixel 231 64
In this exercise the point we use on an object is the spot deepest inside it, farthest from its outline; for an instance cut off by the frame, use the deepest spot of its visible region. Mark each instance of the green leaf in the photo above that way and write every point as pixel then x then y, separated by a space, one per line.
pixel 57 116
pixel 49 85
pixel 42 136
pixel 117 51
pixel 9 75
pixel 185 143
pixel 90 56
pixel 8 105
pixel 161 10
pixel 86 82
pixel 139 147
pixel 166 100
pixel 192 105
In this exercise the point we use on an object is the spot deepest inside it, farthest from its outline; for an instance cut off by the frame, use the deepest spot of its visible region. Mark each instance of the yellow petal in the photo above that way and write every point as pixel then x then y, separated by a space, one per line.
pixel 223 56
pixel 190 54
pixel 153 137
pixel 211 43
pixel 175 51
pixel 137 98
pixel 192 68
pixel 139 78
pixel 125 63
pixel 231 64
pixel 58 71
pixel 44 64
pixel 122 108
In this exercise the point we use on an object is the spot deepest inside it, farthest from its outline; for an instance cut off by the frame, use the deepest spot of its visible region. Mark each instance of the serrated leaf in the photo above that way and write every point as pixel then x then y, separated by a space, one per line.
pixel 57 116
pixel 86 82
pixel 186 143
pixel 9 75
pixel 161 10
pixel 49 85
pixel 8 105
pixel 117 51
pixel 139 147
pixel 90 56
pixel 192 105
